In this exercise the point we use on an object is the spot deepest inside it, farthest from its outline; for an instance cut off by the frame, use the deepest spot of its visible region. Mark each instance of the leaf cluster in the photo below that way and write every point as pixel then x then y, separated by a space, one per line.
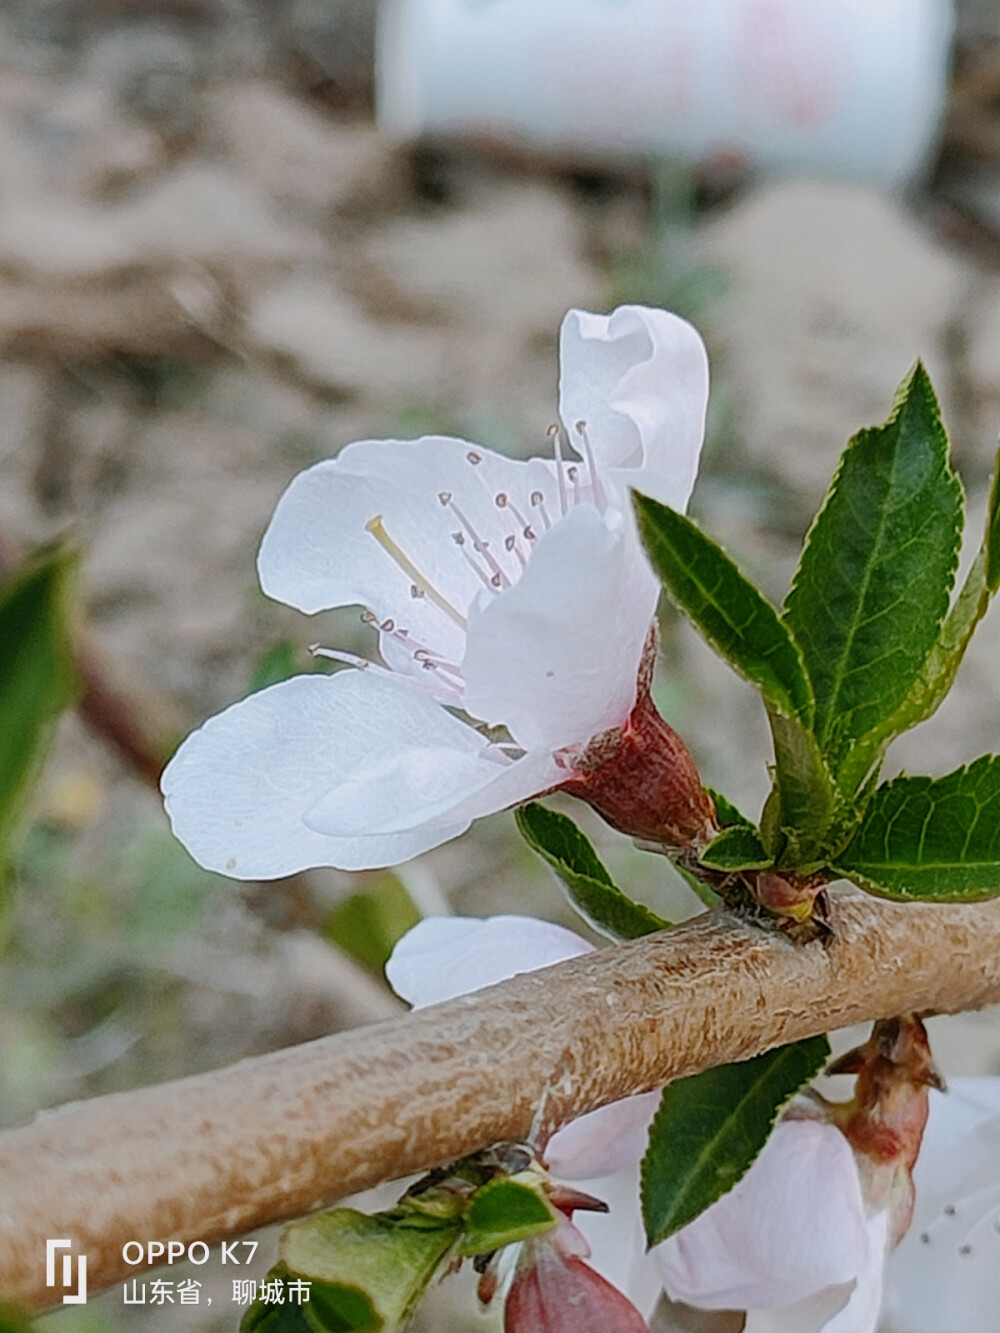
pixel 367 1273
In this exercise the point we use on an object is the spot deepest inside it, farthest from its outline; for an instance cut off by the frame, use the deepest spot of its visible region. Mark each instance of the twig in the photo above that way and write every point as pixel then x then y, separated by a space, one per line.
pixel 214 1156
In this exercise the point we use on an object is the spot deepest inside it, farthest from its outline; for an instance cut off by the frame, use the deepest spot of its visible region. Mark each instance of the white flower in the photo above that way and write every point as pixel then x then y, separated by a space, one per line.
pixel 790 1243
pixel 945 1275
pixel 516 592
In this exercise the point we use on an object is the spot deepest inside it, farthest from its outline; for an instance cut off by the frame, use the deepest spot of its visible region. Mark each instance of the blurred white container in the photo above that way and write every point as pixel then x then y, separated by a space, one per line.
pixel 852 87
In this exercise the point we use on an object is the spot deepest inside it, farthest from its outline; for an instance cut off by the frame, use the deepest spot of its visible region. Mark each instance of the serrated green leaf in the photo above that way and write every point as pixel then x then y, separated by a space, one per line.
pixel 389 1258
pixel 802 806
pixel 737 620
pixel 933 839
pixel 711 1127
pixel 367 924
pixel 503 1212
pixel 578 868
pixel 874 581
pixel 37 678
pixel 726 813
pixel 734 849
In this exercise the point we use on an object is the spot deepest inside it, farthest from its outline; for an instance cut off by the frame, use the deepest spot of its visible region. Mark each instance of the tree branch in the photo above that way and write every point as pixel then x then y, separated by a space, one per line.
pixel 271 1138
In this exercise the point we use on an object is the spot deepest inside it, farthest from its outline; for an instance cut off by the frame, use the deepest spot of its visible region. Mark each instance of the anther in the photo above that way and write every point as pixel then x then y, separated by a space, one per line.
pixel 417 593
pixel 500 500
pixel 474 458
pixel 510 542
pixel 387 626
pixel 538 502
pixel 444 497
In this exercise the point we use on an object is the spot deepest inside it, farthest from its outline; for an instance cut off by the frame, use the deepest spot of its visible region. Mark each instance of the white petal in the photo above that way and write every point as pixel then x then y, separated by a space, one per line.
pixel 555 658
pixel 639 378
pixel 445 956
pixel 943 1277
pixel 397 789
pixel 238 788
pixel 603 1141
pixel 317 552
pixel 794 1224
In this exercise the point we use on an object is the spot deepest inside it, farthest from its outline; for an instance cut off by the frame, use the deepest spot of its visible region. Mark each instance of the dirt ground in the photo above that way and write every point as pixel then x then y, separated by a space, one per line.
pixel 213 272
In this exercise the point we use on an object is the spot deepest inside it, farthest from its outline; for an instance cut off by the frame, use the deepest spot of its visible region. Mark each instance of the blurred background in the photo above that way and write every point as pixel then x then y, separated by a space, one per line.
pixel 216 269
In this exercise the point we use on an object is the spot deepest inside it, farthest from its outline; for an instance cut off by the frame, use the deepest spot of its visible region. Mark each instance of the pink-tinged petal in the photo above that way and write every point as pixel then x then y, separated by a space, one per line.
pixel 401 788
pixel 639 379
pixel 603 1141
pixel 318 553
pixel 553 1294
pixel 239 787
pixel 794 1224
pixel 555 659
pixel 445 956
pixel 944 1275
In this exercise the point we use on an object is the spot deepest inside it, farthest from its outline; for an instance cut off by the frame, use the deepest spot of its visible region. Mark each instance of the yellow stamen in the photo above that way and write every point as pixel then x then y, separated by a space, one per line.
pixel 425 588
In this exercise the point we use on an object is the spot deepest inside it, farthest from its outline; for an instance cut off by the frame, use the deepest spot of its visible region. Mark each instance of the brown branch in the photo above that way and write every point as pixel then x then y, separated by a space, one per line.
pixel 271 1138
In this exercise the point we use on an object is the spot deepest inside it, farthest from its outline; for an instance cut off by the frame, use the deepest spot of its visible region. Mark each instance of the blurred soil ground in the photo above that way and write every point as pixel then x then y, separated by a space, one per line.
pixel 212 273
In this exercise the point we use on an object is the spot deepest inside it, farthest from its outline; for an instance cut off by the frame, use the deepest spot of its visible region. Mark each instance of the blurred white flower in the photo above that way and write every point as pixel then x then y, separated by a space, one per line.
pixel 945 1275
pixel 515 592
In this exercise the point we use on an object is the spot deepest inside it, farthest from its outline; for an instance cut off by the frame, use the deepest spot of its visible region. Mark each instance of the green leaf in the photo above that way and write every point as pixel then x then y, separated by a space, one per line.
pixel 938 672
pixel 934 839
pixel 37 679
pixel 13 1321
pixel 389 1258
pixel 736 619
pixel 874 581
pixel 367 924
pixel 734 849
pixel 711 1127
pixel 588 885
pixel 802 806
pixel 503 1212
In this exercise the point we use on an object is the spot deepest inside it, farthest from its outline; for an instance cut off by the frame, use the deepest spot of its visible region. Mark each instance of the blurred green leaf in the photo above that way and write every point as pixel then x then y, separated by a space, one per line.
pixel 367 924
pixel 389 1259
pixel 711 1127
pixel 933 839
pixel 874 581
pixel 37 678
pixel 503 1212
pixel 328 1310
pixel 279 662
pixel 578 868
pixel 737 620
pixel 12 1321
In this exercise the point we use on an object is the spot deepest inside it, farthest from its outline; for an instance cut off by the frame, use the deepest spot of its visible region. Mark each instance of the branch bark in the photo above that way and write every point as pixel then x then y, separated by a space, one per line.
pixel 214 1156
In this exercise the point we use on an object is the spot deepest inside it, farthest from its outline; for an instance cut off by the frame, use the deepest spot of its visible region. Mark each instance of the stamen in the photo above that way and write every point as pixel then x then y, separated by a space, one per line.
pixel 478 545
pixel 538 502
pixel 573 472
pixel 555 435
pixel 459 539
pixel 349 659
pixel 511 520
pixel 600 499
pixel 377 528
